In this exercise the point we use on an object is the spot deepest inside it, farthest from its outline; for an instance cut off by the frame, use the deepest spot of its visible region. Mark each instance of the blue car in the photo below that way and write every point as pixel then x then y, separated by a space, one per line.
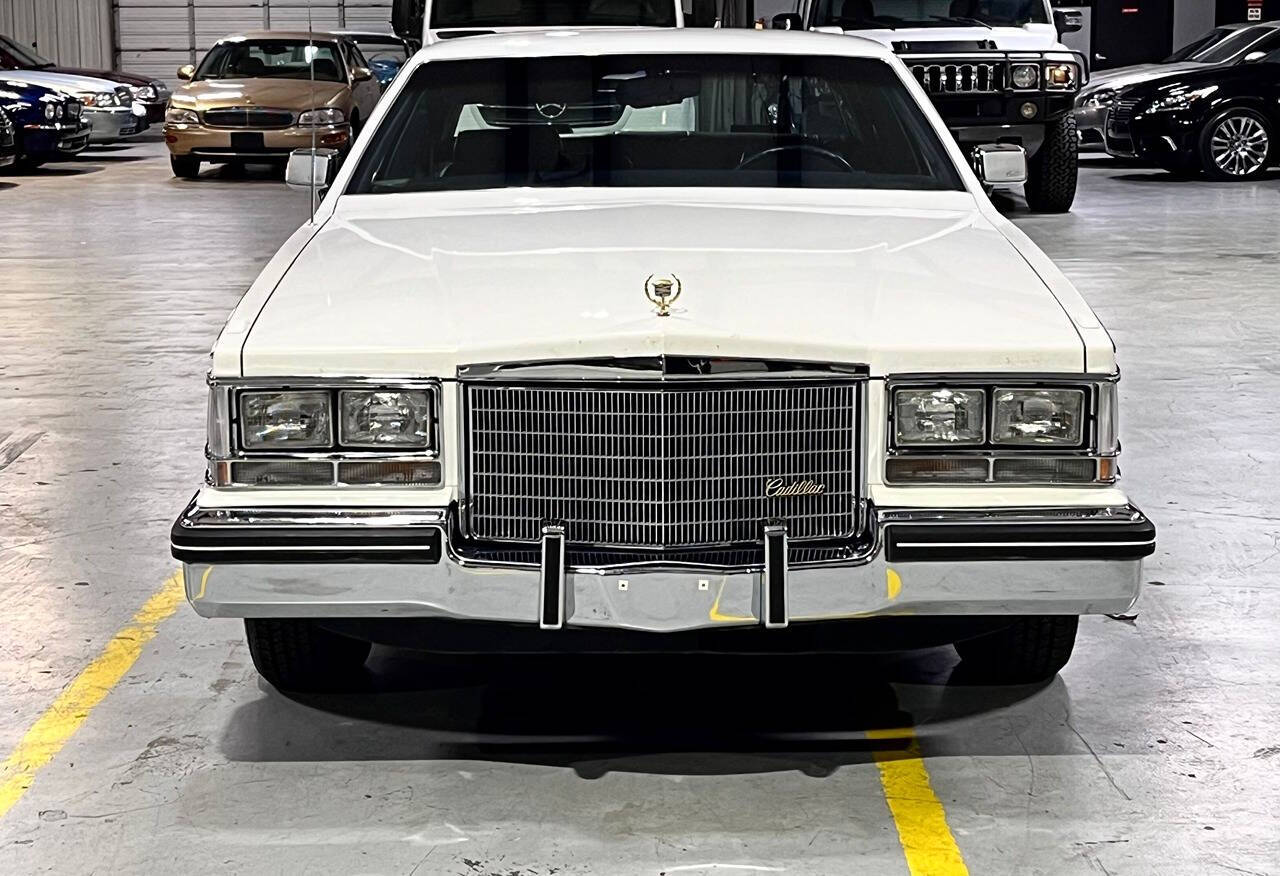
pixel 47 125
pixel 383 53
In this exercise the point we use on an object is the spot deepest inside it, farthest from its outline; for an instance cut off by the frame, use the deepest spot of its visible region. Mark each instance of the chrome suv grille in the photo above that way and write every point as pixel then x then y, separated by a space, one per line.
pixel 248 117
pixel 959 78
pixel 662 465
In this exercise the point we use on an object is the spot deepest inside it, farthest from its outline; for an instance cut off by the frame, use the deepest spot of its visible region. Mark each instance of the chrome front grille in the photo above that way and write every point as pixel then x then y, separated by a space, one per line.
pixel 248 117
pixel 959 77
pixel 662 465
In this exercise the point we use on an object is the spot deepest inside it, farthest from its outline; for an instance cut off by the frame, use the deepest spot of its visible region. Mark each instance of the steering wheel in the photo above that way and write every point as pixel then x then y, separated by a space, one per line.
pixel 834 157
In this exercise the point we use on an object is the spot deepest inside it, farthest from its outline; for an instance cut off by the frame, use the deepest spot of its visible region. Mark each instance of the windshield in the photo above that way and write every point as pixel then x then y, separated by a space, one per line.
pixel 1234 46
pixel 271 59
pixel 547 13
pixel 655 120
pixel 1198 45
pixel 382 48
pixel 854 14
pixel 21 56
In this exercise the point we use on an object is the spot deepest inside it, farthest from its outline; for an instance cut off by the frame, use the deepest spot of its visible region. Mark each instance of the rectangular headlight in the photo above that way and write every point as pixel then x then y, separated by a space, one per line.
pixel 1060 77
pixel 386 418
pixel 286 420
pixel 1045 417
pixel 939 416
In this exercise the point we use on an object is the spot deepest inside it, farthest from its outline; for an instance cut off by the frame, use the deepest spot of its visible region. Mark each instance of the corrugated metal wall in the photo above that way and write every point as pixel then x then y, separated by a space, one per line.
pixel 156 37
pixel 72 32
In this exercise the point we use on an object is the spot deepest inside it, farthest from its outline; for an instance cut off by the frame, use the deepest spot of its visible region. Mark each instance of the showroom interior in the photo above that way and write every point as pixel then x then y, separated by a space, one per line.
pixel 166 710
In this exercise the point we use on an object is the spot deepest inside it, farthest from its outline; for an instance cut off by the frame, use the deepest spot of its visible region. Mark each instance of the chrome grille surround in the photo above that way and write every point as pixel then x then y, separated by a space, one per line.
pixel 959 77
pixel 248 117
pixel 662 464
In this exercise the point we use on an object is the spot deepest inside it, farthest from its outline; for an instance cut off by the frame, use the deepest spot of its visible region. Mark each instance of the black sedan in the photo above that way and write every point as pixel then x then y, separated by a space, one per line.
pixel 1222 120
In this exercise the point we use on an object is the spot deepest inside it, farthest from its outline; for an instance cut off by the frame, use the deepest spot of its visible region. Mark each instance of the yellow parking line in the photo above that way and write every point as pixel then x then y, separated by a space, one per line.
pixel 61 720
pixel 926 839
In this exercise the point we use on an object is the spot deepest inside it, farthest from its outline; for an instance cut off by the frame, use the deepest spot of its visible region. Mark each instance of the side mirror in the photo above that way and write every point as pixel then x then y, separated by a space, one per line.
pixel 406 18
pixel 186 72
pixel 1068 20
pixel 999 164
pixel 788 21
pixel 361 74
pixel 311 169
pixel 1254 57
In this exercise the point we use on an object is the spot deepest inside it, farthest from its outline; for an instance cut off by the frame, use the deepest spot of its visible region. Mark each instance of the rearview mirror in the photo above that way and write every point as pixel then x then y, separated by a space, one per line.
pixel 361 74
pixel 788 21
pixel 186 71
pixel 1068 20
pixel 1000 164
pixel 311 169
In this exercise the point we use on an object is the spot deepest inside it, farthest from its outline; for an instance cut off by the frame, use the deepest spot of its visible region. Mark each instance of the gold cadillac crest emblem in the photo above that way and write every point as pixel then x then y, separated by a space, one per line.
pixel 663 292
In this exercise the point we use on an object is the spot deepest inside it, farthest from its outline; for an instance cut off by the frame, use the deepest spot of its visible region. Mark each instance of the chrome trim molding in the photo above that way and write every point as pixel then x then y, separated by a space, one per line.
pixel 661 367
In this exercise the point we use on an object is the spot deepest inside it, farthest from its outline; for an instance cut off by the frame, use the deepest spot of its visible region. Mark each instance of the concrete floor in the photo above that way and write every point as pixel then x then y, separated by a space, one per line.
pixel 1155 751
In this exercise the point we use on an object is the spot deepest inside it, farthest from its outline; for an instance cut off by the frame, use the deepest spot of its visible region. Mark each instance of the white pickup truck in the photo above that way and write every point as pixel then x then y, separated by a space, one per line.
pixel 995 70
pixel 434 20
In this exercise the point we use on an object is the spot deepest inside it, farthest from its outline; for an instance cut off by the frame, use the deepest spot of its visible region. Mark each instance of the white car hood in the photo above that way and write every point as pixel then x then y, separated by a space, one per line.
pixel 394 286
pixel 68 83
pixel 1031 37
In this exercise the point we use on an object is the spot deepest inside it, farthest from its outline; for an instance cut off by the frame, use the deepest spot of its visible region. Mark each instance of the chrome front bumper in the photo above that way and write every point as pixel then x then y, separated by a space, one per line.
pixel 332 563
pixel 111 124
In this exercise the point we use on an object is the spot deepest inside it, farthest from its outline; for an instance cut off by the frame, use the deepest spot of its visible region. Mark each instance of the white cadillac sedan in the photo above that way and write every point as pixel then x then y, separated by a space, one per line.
pixel 692 340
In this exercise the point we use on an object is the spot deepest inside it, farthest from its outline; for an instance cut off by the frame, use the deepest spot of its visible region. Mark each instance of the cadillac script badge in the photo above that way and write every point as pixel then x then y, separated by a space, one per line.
pixel 663 292
pixel 777 487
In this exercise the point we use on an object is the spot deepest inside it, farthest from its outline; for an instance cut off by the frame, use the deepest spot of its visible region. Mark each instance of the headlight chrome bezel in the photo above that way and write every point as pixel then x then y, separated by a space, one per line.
pixel 228 452
pixel 177 115
pixel 1098 441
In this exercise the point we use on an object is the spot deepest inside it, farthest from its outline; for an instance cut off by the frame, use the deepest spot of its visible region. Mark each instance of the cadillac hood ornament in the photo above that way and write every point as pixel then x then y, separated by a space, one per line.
pixel 663 292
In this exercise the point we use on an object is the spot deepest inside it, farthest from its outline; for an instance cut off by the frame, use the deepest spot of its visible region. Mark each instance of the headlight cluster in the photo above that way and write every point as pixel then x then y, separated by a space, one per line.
pixel 99 98
pixel 145 92
pixel 52 111
pixel 1055 75
pixel 325 436
pixel 1103 97
pixel 990 434
pixel 320 117
pixel 176 116
pixel 1180 100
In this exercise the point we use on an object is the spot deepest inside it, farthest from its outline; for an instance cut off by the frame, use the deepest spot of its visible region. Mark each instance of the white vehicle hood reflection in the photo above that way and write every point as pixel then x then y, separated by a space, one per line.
pixel 419 284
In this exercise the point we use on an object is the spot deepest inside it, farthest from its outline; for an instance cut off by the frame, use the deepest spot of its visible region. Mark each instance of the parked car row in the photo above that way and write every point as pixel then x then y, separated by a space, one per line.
pixel 1213 107
pixel 56 111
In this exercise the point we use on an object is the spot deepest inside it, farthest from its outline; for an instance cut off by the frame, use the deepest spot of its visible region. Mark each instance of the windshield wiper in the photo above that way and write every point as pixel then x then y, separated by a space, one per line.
pixel 959 19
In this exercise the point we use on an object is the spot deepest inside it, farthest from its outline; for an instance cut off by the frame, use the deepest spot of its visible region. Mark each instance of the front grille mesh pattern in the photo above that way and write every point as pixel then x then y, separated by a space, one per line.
pixel 959 78
pixel 248 117
pixel 660 465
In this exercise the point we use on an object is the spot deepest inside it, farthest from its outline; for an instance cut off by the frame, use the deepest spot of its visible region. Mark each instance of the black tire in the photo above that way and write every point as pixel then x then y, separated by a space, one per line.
pixel 1031 649
pixel 1051 172
pixel 300 655
pixel 1218 125
pixel 185 166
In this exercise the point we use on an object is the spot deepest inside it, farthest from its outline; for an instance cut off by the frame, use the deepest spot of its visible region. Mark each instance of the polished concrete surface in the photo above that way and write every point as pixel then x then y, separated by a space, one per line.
pixel 1156 751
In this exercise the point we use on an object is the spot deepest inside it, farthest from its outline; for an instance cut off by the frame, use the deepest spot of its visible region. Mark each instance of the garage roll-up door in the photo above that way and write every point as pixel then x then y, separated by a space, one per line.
pixel 156 37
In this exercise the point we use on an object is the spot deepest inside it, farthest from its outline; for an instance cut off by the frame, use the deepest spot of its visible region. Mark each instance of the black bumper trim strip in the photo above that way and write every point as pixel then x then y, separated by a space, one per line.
pixel 1102 540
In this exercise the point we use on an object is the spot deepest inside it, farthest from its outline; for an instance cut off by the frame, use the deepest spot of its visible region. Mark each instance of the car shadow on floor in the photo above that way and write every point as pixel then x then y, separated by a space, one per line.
pixel 677 714
pixel 238 173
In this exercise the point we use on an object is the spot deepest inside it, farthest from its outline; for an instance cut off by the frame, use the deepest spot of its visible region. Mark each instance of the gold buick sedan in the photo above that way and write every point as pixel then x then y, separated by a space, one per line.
pixel 258 96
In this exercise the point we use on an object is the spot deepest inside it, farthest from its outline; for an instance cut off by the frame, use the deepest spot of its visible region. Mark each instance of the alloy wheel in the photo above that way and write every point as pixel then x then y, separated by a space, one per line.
pixel 1239 145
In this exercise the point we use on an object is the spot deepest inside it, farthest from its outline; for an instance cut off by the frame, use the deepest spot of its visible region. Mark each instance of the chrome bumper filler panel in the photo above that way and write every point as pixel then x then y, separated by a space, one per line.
pixel 313 563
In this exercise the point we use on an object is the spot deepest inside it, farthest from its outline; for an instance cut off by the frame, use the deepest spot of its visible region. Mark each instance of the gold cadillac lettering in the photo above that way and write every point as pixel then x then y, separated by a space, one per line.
pixel 776 487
